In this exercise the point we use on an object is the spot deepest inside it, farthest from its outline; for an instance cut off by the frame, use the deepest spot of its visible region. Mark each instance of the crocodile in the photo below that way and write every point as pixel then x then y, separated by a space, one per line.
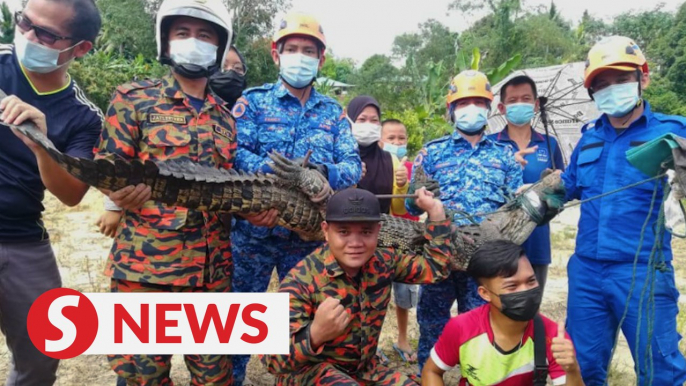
pixel 290 190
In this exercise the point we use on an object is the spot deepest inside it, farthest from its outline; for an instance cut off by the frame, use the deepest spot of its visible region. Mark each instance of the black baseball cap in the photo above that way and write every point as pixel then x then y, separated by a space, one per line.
pixel 353 205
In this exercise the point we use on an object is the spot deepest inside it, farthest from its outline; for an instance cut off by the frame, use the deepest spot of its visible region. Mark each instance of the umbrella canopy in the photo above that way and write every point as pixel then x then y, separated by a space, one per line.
pixel 568 104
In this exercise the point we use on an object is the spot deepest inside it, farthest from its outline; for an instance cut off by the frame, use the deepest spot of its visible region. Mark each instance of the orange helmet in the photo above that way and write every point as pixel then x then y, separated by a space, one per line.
pixel 469 84
pixel 299 24
pixel 614 53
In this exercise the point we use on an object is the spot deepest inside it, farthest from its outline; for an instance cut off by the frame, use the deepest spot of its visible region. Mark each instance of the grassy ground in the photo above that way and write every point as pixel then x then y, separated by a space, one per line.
pixel 81 252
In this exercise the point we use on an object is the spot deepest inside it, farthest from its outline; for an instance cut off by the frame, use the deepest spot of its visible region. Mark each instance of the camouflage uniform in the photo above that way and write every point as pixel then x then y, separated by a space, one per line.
pixel 161 248
pixel 474 180
pixel 351 358
pixel 269 118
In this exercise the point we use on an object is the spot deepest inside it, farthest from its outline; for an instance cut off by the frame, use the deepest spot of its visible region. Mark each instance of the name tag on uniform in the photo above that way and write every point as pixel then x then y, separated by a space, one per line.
pixel 164 118
pixel 222 131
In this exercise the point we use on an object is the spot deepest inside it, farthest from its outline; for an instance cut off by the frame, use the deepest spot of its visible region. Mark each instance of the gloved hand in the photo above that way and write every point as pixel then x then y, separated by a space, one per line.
pixel 322 169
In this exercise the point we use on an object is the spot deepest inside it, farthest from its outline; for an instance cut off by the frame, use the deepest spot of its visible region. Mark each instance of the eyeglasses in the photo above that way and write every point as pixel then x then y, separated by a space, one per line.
pixel 43 35
pixel 238 68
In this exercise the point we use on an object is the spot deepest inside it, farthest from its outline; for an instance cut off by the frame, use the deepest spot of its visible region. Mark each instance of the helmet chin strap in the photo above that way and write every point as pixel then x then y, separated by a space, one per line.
pixel 190 71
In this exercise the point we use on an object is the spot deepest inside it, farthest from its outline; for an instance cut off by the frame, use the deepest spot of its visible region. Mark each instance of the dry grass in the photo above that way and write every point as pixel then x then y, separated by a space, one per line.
pixel 81 252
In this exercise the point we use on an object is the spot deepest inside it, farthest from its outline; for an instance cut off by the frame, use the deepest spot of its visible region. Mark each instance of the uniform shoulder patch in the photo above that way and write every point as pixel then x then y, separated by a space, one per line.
pixel 132 86
pixel 240 107
pixel 420 157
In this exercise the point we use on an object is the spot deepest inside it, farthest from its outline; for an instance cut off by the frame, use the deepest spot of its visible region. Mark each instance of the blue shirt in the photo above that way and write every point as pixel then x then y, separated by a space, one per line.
pixel 610 227
pixel 270 119
pixel 472 179
pixel 74 124
pixel 537 246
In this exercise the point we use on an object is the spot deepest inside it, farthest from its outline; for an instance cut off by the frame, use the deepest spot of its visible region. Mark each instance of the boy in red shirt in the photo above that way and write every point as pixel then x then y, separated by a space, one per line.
pixel 494 344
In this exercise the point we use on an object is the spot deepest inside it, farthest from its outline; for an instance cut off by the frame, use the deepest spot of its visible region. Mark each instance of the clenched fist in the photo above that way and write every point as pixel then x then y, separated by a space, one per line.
pixel 330 321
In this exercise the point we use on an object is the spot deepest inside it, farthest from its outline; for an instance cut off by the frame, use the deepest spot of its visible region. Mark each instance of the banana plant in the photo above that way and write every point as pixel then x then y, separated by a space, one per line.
pixel 494 75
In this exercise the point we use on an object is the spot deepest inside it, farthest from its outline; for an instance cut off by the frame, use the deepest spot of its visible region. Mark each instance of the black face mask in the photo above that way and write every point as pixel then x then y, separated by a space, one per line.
pixel 521 306
pixel 228 85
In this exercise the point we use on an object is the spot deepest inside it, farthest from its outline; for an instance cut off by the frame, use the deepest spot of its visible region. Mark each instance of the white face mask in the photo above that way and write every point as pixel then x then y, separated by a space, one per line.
pixel 298 70
pixel 193 51
pixel 366 133
pixel 471 119
pixel 38 58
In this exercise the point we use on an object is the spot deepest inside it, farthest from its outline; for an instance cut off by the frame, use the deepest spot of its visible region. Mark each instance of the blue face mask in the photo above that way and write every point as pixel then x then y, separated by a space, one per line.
pixel 617 100
pixel 38 58
pixel 398 151
pixel 519 114
pixel 470 119
pixel 298 70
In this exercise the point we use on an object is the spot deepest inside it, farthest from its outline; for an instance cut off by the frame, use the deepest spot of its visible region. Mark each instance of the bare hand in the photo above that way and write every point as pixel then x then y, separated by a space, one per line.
pixel 330 321
pixel 109 222
pixel 563 351
pixel 15 112
pixel 401 173
pixel 364 170
pixel 519 156
pixel 131 197
pixel 268 218
pixel 432 206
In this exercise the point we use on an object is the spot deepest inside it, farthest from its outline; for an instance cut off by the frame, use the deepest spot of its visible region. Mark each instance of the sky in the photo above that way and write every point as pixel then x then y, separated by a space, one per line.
pixel 358 29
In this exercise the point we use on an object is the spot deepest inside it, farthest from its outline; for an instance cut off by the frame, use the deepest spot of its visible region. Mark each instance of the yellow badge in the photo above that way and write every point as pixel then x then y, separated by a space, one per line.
pixel 222 131
pixel 162 118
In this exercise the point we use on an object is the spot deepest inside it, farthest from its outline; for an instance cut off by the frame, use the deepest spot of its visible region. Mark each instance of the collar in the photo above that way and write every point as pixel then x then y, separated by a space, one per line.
pixel 333 269
pixel 172 90
pixel 280 91
pixel 646 117
pixel 457 137
pixel 504 135
pixel 28 80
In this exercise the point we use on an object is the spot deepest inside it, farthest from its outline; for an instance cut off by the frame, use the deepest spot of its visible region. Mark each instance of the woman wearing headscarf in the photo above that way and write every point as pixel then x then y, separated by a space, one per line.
pixel 379 177
pixel 230 83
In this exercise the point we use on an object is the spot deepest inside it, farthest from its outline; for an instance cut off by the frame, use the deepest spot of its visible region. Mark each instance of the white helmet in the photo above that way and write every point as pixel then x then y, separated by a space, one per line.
pixel 212 11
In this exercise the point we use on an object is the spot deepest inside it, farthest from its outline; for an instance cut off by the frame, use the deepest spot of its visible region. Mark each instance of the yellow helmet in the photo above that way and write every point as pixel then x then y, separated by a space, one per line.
pixel 614 53
pixel 295 23
pixel 469 84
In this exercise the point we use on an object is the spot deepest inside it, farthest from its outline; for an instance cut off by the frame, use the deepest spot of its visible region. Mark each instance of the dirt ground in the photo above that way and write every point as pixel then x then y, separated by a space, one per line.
pixel 81 253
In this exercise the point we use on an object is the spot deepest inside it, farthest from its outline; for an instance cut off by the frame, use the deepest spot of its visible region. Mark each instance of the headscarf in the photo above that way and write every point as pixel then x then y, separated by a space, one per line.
pixel 229 85
pixel 379 163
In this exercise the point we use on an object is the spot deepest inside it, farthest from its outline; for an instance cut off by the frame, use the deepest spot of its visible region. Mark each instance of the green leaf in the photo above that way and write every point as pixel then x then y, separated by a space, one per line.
pixel 476 59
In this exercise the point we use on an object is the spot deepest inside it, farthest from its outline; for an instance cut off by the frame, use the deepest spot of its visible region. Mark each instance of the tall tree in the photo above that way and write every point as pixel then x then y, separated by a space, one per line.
pixel 126 29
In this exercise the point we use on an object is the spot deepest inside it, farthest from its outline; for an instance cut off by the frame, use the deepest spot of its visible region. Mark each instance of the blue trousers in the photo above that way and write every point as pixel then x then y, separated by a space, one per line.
pixel 597 300
pixel 433 310
pixel 254 261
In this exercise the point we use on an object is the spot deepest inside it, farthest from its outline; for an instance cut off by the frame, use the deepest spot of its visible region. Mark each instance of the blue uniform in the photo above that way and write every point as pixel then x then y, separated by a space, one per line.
pixel 537 246
pixel 269 118
pixel 600 271
pixel 472 179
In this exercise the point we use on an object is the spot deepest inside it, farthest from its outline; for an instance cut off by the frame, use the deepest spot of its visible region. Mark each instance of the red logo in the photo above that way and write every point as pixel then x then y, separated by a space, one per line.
pixel 62 323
